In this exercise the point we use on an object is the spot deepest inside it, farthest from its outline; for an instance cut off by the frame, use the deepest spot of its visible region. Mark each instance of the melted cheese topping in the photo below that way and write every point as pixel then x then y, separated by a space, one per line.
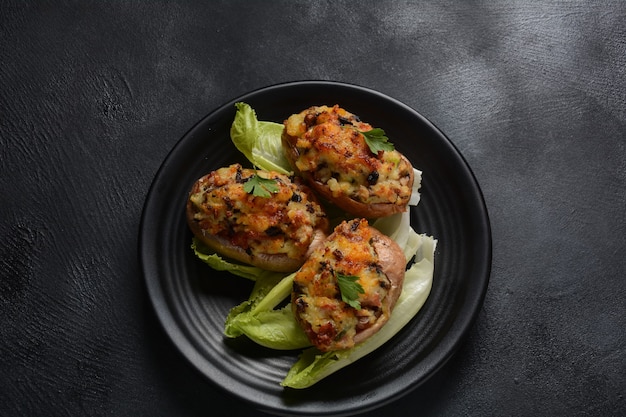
pixel 329 322
pixel 281 224
pixel 332 150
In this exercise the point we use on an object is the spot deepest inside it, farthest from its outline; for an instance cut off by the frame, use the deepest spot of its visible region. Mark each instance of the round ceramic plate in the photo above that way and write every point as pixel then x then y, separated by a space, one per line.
pixel 191 300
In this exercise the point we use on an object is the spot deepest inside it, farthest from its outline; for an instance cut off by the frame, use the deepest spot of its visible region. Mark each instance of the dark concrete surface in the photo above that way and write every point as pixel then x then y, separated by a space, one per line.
pixel 93 95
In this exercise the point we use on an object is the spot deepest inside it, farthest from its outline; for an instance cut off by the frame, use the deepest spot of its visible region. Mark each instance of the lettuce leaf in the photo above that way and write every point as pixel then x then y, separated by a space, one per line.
pixel 259 141
pixel 415 191
pixel 313 365
pixel 259 319
pixel 218 263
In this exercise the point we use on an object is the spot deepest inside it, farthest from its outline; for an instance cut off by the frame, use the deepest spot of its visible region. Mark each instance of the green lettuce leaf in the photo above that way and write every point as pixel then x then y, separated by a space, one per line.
pixel 259 141
pixel 218 263
pixel 275 329
pixel 258 317
pixel 260 320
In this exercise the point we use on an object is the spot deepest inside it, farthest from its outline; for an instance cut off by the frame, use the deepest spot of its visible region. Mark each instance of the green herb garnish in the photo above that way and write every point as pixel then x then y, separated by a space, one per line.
pixel 350 290
pixel 377 141
pixel 260 187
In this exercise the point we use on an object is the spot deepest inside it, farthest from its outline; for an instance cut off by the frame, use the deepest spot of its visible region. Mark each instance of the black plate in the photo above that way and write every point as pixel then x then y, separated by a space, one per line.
pixel 192 301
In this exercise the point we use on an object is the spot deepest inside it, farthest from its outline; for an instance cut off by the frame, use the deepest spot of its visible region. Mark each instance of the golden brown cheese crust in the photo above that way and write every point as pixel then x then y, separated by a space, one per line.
pixel 325 146
pixel 356 249
pixel 275 233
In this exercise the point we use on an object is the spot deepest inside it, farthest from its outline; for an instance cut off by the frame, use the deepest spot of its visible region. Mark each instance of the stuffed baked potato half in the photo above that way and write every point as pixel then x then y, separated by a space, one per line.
pixel 346 290
pixel 275 232
pixel 328 148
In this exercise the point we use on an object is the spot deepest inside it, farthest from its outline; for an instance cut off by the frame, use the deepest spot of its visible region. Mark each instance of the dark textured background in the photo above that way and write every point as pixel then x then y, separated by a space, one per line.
pixel 94 95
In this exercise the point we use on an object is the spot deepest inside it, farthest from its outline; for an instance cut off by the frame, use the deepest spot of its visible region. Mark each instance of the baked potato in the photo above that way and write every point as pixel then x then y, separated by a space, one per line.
pixel 354 255
pixel 276 232
pixel 327 147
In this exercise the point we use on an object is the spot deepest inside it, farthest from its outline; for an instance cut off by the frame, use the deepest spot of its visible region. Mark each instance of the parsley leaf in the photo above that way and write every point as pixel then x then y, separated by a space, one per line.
pixel 260 187
pixel 377 141
pixel 350 289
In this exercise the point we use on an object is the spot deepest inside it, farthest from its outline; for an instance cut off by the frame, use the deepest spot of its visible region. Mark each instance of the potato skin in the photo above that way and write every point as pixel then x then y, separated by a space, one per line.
pixel 325 147
pixel 275 233
pixel 353 249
